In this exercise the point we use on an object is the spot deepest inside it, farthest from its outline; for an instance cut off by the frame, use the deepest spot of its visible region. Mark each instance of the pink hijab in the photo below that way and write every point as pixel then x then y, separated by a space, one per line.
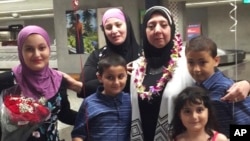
pixel 35 84
pixel 113 13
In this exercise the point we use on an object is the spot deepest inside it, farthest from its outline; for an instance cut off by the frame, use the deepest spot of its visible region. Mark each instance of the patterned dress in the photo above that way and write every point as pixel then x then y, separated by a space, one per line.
pixel 59 106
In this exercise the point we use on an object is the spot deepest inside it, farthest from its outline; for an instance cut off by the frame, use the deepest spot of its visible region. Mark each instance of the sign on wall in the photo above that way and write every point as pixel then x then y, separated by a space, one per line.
pixel 193 30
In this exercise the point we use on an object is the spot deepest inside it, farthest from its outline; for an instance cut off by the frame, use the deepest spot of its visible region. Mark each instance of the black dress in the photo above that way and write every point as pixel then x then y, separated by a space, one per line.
pixel 59 106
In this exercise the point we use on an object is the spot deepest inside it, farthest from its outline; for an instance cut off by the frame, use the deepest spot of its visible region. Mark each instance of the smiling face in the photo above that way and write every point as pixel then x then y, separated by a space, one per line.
pixel 35 52
pixel 201 64
pixel 194 116
pixel 115 30
pixel 113 79
pixel 158 31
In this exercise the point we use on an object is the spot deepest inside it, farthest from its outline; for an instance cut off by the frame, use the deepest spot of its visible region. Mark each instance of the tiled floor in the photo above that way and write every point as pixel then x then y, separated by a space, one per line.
pixel 241 69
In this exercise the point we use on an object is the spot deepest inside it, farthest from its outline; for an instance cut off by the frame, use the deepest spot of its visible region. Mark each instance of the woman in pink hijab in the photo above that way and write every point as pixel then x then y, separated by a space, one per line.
pixel 120 39
pixel 38 81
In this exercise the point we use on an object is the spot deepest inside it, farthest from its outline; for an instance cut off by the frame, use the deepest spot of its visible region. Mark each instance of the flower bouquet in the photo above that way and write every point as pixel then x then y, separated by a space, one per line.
pixel 20 115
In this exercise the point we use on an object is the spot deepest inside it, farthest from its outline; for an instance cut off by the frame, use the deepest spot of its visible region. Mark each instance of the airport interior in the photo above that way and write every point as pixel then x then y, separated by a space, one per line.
pixel 224 21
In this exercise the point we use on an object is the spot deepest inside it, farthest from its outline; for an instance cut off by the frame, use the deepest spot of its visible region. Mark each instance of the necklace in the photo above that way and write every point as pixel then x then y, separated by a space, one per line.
pixel 140 72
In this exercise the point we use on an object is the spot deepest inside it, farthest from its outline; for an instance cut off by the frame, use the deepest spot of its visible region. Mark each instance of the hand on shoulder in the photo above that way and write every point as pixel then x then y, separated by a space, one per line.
pixel 130 68
pixel 72 83
pixel 237 92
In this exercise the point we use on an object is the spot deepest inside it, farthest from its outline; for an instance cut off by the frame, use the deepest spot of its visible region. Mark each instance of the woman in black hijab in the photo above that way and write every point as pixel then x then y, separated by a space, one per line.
pixel 159 76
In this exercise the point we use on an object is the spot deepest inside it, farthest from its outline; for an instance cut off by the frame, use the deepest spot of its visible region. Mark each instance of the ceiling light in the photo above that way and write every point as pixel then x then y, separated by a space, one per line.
pixel 9 1
pixel 15 15
pixel 27 10
pixel 210 2
pixel 22 17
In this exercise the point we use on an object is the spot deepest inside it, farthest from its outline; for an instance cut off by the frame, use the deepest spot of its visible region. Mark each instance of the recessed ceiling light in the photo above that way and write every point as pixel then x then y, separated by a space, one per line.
pixel 204 3
pixel 9 1
pixel 15 15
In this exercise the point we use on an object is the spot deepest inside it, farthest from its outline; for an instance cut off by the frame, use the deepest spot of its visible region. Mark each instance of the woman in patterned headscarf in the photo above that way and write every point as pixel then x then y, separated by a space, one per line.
pixel 39 82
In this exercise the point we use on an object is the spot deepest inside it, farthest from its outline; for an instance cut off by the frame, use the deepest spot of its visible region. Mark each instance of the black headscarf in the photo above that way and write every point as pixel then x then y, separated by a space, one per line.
pixel 130 49
pixel 157 57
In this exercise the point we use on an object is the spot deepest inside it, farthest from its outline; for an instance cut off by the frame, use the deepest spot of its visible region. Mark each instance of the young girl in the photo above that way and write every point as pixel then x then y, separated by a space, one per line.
pixel 194 118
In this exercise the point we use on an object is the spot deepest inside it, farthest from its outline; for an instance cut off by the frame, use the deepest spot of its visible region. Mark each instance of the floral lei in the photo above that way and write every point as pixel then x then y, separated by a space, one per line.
pixel 166 76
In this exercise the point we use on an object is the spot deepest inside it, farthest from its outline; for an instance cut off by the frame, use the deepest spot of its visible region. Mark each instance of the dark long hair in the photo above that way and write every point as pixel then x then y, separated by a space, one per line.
pixel 194 95
pixel 158 57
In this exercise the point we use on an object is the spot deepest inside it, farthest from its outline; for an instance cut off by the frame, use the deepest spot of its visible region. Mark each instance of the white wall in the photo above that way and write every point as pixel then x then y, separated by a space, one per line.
pixel 219 25
pixel 216 24
pixel 46 23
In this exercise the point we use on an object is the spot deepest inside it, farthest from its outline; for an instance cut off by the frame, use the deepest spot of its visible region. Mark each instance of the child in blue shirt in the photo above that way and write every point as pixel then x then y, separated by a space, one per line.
pixel 106 114
pixel 202 60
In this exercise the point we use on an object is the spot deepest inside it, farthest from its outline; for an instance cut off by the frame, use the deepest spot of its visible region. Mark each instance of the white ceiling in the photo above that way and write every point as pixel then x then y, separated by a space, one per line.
pixel 25 5
pixel 44 8
pixel 26 8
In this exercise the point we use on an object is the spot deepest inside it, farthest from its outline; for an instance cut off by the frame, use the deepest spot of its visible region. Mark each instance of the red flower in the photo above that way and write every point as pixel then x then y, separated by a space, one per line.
pixel 23 110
